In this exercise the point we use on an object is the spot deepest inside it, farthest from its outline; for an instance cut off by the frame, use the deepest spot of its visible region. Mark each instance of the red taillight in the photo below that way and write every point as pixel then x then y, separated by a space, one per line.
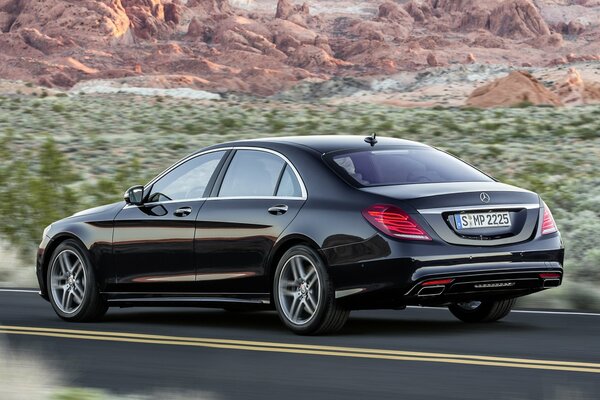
pixel 548 224
pixel 394 222
pixel 438 282
pixel 549 276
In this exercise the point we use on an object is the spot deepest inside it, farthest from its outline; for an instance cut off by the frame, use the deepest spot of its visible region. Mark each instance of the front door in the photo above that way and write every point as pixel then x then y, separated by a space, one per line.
pixel 153 243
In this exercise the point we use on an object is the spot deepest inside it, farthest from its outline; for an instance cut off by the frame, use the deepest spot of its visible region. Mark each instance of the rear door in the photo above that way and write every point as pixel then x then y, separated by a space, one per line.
pixel 256 197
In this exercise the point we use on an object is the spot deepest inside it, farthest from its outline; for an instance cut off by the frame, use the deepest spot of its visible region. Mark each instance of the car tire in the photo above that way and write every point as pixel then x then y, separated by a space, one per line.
pixel 303 294
pixel 482 311
pixel 72 287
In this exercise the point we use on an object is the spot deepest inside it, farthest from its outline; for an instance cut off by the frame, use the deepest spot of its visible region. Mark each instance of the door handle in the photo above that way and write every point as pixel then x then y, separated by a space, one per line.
pixel 183 212
pixel 278 209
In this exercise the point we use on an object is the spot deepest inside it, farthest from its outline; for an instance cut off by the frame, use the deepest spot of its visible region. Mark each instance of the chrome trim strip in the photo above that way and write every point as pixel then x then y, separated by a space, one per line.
pixel 178 163
pixel 470 256
pixel 188 299
pixel 285 159
pixel 172 167
pixel 191 294
pixel 158 203
pixel 431 287
pixel 483 207
pixel 254 198
pixel 347 292
pixel 482 273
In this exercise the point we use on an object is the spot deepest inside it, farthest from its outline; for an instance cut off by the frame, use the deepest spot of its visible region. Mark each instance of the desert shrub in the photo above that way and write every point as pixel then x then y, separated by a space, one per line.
pixel 102 149
pixel 58 108
pixel 34 195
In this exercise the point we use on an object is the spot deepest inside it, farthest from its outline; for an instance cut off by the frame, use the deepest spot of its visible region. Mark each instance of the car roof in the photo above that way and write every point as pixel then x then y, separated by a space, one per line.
pixel 327 143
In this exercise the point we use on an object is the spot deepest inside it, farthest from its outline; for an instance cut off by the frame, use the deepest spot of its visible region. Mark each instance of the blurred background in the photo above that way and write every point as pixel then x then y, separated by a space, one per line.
pixel 100 95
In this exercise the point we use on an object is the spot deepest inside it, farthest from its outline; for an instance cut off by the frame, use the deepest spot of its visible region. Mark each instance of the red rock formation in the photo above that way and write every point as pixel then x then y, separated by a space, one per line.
pixel 432 60
pixel 147 18
pixel 210 7
pixel 575 28
pixel 517 19
pixel 391 12
pixel 298 14
pixel 285 9
pixel 368 30
pixel 196 29
pixel 307 56
pixel 419 11
pixel 85 22
pixel 43 40
pixel 172 13
pixel 518 87
pixel 575 91
pixel 572 89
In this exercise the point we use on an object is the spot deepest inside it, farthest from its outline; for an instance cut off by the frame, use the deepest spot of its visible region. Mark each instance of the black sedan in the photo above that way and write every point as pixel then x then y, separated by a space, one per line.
pixel 312 226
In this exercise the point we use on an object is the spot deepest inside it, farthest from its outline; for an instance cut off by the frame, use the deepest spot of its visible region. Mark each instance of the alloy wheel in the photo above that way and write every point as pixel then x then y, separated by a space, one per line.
pixel 68 281
pixel 299 289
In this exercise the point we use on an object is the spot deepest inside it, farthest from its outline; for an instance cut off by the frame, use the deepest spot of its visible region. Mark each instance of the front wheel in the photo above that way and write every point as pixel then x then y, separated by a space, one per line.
pixel 72 287
pixel 303 294
pixel 482 311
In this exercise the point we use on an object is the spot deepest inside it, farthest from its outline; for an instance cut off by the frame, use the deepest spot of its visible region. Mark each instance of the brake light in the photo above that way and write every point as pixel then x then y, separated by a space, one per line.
pixel 438 282
pixel 548 224
pixel 549 276
pixel 393 221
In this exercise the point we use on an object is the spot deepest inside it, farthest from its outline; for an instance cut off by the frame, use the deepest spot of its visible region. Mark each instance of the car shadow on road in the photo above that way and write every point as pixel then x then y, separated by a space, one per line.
pixel 200 318
pixel 430 327
pixel 396 324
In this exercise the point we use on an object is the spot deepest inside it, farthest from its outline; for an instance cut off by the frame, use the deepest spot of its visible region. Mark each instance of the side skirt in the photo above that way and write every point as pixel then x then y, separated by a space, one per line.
pixel 213 300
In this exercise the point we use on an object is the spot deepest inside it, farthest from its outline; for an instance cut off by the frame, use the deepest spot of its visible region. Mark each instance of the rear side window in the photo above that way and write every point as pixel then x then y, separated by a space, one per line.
pixel 403 166
pixel 289 186
pixel 252 173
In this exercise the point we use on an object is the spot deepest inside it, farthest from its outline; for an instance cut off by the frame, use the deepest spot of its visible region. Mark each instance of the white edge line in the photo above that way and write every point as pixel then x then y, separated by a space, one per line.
pixel 525 311
pixel 419 307
pixel 556 312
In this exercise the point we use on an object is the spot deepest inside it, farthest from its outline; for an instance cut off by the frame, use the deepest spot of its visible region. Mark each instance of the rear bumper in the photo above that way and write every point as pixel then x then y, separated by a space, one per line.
pixel 397 282
pixel 503 280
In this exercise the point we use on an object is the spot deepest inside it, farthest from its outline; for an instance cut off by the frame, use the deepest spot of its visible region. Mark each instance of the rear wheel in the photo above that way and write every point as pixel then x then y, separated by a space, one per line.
pixel 303 294
pixel 482 311
pixel 72 287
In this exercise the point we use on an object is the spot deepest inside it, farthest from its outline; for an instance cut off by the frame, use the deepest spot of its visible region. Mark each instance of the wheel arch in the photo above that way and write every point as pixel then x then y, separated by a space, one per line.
pixel 279 250
pixel 49 251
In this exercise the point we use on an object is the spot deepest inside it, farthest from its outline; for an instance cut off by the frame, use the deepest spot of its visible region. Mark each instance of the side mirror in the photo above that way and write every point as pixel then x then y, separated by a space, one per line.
pixel 134 195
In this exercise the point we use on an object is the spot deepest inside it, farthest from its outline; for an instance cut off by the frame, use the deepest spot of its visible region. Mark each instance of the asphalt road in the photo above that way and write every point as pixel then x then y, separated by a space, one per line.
pixel 410 354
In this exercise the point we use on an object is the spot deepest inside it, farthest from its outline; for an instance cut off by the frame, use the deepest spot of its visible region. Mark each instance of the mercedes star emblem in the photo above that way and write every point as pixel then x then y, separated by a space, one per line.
pixel 484 197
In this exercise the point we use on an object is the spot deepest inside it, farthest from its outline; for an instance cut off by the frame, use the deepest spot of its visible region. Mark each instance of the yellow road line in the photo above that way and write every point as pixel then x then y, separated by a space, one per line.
pixel 305 349
pixel 302 346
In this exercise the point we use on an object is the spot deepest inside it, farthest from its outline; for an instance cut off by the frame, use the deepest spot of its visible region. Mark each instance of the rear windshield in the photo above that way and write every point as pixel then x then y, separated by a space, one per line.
pixel 403 166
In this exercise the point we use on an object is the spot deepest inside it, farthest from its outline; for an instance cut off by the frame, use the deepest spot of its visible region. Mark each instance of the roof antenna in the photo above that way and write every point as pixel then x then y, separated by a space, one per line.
pixel 371 139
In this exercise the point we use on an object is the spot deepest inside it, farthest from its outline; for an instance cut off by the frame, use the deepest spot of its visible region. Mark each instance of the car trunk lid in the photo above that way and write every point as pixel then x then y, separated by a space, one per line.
pixel 443 204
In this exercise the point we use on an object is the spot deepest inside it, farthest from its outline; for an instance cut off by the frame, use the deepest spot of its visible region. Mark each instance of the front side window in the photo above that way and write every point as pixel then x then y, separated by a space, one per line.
pixel 254 173
pixel 188 181
pixel 403 166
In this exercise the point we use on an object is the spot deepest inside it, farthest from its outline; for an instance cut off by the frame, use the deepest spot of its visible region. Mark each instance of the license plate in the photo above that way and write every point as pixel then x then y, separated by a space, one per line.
pixel 482 220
